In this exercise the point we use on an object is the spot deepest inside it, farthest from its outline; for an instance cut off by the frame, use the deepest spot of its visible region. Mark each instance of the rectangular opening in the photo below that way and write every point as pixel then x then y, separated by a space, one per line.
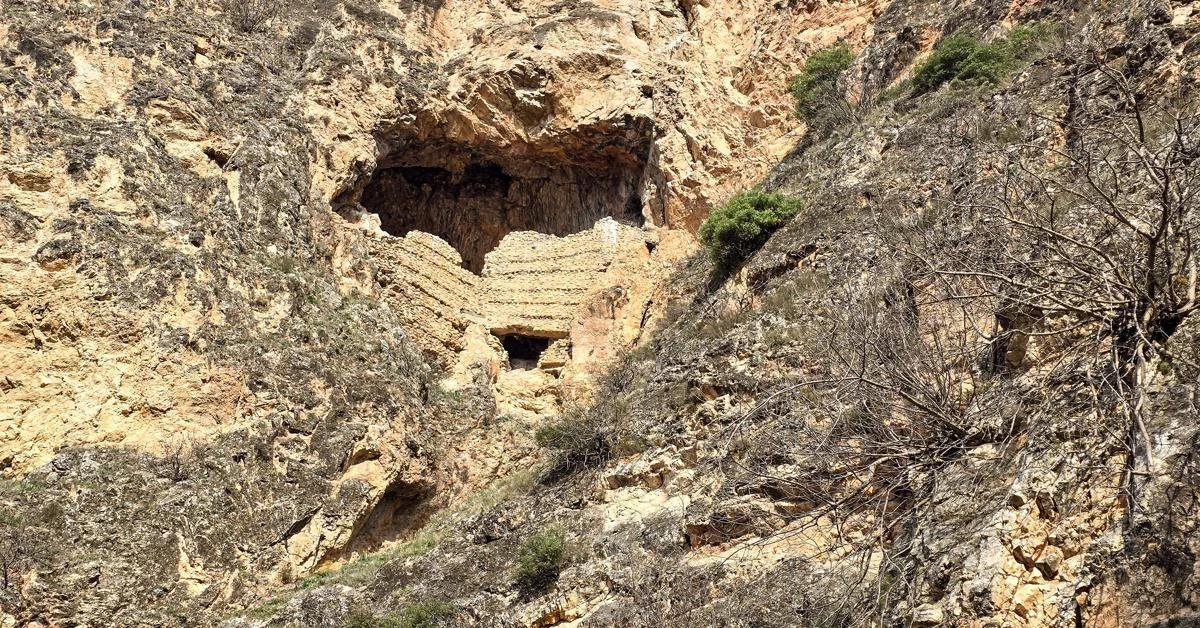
pixel 524 351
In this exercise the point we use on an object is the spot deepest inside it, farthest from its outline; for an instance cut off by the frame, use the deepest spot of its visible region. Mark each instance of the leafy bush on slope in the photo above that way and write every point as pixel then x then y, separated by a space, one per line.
pixel 816 90
pixel 962 57
pixel 743 224
pixel 540 558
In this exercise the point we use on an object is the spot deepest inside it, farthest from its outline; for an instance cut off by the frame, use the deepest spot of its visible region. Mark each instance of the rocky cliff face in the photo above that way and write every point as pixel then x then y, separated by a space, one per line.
pixel 191 331
pixel 318 317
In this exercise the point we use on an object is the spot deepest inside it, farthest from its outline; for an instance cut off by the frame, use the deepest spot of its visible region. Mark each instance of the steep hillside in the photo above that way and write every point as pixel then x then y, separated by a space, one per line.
pixel 376 313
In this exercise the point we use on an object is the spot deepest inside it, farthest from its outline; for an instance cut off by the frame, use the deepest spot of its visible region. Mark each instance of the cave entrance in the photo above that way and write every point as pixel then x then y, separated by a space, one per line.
pixel 402 509
pixel 524 352
pixel 472 201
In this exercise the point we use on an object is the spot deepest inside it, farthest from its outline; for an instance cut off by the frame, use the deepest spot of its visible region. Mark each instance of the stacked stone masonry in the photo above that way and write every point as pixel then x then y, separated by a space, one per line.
pixel 533 284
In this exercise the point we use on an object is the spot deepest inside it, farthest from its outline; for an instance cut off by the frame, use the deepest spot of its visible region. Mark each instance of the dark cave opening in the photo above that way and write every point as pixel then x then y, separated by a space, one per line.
pixel 402 510
pixel 524 352
pixel 472 202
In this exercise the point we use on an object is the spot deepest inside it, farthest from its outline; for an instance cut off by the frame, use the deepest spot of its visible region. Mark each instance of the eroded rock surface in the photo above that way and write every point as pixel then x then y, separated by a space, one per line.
pixel 181 301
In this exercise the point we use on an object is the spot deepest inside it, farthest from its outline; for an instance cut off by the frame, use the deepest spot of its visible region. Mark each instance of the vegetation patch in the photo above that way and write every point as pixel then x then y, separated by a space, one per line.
pixel 581 441
pixel 963 58
pixel 819 96
pixel 540 558
pixel 251 16
pixel 734 231
pixel 429 614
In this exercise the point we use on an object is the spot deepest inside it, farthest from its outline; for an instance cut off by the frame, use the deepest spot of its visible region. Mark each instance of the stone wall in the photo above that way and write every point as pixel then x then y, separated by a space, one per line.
pixel 533 284
pixel 423 280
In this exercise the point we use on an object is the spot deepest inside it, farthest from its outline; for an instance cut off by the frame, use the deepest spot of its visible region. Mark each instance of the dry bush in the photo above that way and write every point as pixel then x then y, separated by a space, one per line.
pixel 857 450
pixel 179 458
pixel 23 547
pixel 587 436
pixel 251 16
pixel 1089 242
pixel 580 441
pixel 1084 249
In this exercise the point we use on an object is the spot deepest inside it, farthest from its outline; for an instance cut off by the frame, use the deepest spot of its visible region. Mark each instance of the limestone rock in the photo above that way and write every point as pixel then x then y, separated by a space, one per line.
pixel 928 615
pixel 285 304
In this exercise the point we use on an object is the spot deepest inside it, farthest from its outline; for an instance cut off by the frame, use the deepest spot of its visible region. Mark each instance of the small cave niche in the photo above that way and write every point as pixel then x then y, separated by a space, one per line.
pixel 524 352
pixel 402 510
pixel 472 200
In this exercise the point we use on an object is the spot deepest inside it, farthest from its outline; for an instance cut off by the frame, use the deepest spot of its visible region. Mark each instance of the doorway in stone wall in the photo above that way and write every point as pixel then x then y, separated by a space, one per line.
pixel 524 352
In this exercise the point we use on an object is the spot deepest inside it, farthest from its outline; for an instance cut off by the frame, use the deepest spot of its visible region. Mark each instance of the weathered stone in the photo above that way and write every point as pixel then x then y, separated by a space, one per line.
pixel 222 398
pixel 57 254
pixel 1049 562
pixel 928 615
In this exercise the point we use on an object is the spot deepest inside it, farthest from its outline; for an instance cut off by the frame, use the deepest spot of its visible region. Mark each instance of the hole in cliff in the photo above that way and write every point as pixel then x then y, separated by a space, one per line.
pixel 524 352
pixel 472 200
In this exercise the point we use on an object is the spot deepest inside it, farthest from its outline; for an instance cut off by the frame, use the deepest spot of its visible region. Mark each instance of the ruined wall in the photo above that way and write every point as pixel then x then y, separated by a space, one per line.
pixel 534 283
pixel 476 207
pixel 422 278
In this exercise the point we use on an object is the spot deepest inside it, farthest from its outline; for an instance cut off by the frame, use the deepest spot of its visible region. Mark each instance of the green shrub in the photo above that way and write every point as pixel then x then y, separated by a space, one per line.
pixel 742 225
pixel 988 64
pixel 1030 40
pixel 816 87
pixel 540 558
pixel 962 57
pixel 944 62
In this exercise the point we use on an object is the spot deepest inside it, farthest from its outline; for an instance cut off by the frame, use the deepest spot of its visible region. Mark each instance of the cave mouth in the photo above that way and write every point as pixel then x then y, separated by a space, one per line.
pixel 524 352
pixel 472 201
pixel 402 510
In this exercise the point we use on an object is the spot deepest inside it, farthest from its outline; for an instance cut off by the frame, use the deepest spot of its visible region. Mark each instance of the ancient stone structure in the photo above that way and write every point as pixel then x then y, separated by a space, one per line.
pixel 531 292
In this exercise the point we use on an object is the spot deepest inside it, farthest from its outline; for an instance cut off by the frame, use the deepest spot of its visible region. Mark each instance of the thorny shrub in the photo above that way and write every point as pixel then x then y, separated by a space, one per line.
pixel 251 16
